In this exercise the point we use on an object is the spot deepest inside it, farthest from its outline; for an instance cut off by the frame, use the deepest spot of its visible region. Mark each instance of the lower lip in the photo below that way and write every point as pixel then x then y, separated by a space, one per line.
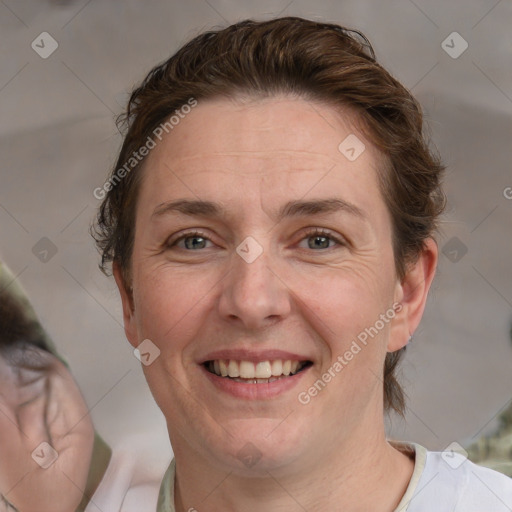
pixel 255 391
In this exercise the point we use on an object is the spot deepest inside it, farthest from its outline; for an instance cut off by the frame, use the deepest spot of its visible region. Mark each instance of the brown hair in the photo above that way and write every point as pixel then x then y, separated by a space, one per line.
pixel 20 335
pixel 312 60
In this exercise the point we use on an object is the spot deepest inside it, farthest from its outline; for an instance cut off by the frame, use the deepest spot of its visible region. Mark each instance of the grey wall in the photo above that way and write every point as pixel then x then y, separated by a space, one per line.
pixel 58 140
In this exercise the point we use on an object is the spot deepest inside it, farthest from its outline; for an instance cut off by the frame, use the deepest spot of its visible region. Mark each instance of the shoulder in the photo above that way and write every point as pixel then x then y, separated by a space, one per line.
pixel 450 481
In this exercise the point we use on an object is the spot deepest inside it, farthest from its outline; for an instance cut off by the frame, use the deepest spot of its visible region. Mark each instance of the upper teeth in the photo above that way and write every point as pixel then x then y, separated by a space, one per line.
pixel 250 370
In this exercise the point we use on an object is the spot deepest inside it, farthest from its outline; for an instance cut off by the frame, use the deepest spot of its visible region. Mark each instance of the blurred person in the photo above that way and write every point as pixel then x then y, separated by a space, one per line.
pixel 51 458
pixel 47 439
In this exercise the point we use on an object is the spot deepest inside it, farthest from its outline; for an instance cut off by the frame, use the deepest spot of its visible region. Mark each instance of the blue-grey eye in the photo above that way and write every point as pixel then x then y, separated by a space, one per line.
pixel 320 241
pixel 198 242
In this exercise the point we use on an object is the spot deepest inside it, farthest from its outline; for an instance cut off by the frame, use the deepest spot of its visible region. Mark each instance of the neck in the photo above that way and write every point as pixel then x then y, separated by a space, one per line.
pixel 362 472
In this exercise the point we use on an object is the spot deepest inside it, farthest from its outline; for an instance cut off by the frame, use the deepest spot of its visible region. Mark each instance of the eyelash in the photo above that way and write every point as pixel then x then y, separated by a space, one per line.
pixel 308 234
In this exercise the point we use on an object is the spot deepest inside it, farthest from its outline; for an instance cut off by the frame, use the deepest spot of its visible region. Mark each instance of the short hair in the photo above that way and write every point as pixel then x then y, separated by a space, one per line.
pixel 315 61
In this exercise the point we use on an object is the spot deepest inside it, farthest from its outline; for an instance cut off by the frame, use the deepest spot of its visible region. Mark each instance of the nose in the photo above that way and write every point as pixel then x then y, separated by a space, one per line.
pixel 254 295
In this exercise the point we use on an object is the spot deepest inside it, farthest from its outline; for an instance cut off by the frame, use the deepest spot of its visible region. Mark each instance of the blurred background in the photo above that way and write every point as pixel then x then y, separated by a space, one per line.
pixel 66 69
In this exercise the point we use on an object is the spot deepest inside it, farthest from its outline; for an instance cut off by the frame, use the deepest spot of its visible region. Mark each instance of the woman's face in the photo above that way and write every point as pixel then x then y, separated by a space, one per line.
pixel 245 278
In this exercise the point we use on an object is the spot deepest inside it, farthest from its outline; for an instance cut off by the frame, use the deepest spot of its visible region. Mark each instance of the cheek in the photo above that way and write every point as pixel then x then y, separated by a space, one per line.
pixel 168 301
pixel 347 308
pixel 347 318
pixel 345 300
pixel 168 305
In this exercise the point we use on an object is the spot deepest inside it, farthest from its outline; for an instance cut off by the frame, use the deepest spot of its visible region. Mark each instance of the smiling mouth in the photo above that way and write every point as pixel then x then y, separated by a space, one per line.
pixel 249 372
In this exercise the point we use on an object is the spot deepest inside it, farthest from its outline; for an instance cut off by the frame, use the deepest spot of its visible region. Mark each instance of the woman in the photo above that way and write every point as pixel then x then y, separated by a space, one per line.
pixel 270 223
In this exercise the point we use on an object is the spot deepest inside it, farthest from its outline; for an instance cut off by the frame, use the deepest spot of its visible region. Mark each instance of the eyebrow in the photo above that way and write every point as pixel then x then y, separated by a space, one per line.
pixel 297 208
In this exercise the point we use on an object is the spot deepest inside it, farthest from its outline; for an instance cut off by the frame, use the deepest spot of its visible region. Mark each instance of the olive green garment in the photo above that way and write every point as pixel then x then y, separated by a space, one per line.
pixel 101 451
pixel 495 451
pixel 166 495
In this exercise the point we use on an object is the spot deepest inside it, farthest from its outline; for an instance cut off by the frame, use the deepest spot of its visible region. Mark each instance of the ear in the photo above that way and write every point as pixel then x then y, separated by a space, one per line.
pixel 130 326
pixel 411 293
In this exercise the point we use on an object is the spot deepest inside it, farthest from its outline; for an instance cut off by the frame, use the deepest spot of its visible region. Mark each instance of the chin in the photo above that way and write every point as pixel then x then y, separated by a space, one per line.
pixel 260 445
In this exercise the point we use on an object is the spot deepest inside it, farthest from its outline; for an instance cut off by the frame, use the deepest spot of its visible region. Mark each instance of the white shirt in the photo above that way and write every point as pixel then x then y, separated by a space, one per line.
pixel 443 483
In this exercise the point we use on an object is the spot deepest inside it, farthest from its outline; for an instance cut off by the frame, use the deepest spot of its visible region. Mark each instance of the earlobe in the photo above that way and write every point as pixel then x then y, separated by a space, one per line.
pixel 130 327
pixel 412 293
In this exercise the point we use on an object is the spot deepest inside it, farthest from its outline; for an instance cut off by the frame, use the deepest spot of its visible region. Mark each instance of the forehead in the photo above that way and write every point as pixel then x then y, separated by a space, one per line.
pixel 276 146
pixel 261 128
